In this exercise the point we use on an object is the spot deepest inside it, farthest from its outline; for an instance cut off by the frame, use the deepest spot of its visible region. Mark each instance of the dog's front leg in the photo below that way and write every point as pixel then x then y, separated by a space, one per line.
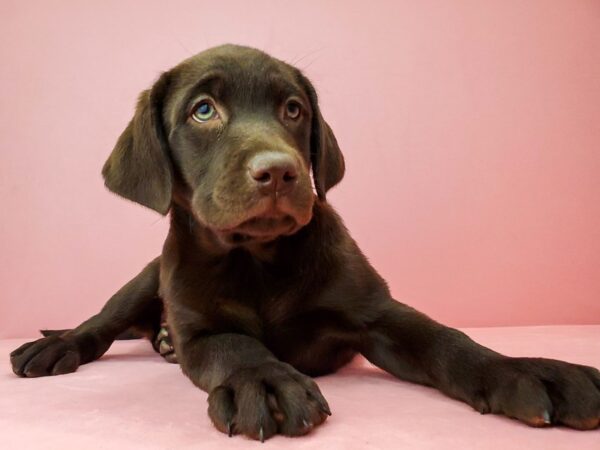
pixel 135 304
pixel 537 391
pixel 250 391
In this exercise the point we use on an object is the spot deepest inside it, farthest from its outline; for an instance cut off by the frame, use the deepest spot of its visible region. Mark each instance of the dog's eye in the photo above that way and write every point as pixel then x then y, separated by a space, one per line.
pixel 293 110
pixel 204 111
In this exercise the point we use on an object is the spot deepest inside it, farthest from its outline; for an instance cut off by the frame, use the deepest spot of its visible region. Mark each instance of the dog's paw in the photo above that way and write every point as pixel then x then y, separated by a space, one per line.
pixel 265 400
pixel 542 392
pixel 163 345
pixel 52 355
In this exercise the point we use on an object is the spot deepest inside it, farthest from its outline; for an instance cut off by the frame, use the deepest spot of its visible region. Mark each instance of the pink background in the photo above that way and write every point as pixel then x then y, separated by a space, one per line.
pixel 471 131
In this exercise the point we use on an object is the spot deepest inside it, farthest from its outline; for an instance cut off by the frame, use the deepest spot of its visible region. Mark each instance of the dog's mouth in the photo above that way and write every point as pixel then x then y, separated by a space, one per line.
pixel 269 220
pixel 257 220
pixel 261 229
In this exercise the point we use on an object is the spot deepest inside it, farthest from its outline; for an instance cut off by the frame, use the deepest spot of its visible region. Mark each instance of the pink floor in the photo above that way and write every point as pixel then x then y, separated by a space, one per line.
pixel 131 399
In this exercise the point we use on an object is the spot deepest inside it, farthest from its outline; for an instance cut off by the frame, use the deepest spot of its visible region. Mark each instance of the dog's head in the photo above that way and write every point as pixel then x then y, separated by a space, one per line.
pixel 231 134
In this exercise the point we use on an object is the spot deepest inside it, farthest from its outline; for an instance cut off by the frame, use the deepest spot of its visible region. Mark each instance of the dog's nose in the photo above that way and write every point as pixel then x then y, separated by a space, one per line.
pixel 274 172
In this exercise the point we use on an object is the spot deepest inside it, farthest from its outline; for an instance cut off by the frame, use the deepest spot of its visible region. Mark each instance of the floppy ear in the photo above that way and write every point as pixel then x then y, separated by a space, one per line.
pixel 139 167
pixel 326 157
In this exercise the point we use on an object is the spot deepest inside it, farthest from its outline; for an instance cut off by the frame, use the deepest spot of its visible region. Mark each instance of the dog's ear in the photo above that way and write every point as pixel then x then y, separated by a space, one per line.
pixel 139 167
pixel 326 157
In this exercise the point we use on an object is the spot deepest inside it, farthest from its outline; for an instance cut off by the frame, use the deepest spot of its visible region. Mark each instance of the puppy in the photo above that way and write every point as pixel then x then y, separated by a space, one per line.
pixel 260 282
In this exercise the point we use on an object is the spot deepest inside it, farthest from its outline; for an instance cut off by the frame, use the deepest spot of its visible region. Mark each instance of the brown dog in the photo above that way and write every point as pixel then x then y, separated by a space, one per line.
pixel 261 283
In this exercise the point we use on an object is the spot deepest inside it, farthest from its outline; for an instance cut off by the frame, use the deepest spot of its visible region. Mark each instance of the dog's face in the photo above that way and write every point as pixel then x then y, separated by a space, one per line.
pixel 231 134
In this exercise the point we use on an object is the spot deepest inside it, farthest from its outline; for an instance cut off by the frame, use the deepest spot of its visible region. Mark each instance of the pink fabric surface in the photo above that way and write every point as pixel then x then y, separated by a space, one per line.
pixel 132 399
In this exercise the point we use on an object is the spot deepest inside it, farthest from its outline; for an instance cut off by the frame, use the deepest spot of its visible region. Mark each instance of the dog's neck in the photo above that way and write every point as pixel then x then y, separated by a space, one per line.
pixel 198 238
pixel 194 240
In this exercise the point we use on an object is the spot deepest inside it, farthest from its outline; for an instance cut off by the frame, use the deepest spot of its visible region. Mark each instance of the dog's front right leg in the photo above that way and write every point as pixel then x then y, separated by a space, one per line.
pixel 250 391
pixel 136 303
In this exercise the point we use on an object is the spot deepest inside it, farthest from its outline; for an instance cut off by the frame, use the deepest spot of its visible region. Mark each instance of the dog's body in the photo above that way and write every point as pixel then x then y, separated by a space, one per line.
pixel 260 281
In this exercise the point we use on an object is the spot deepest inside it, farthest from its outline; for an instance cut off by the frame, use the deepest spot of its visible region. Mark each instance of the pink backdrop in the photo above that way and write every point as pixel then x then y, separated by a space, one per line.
pixel 471 131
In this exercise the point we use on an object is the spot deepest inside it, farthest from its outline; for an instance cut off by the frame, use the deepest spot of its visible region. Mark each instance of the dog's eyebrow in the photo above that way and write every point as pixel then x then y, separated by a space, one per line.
pixel 284 87
pixel 206 82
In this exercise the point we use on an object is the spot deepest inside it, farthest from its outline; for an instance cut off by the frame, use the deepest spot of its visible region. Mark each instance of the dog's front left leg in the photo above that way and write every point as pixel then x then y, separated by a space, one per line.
pixel 250 391
pixel 537 391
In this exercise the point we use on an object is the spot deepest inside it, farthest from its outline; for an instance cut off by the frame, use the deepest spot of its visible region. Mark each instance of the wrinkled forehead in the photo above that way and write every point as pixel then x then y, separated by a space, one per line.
pixel 240 78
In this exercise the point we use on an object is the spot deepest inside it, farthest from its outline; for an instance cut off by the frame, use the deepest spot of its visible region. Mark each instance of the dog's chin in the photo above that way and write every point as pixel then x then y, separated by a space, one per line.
pixel 265 221
pixel 264 227
pixel 260 229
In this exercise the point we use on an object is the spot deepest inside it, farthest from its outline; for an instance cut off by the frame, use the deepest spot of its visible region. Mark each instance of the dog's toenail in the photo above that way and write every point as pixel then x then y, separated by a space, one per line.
pixel 165 348
pixel 546 417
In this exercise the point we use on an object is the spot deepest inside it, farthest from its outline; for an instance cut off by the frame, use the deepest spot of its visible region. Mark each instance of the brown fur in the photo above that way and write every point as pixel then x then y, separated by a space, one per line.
pixel 263 288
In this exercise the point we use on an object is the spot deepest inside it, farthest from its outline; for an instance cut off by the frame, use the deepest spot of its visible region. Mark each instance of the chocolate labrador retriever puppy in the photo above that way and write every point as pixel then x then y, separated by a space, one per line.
pixel 260 282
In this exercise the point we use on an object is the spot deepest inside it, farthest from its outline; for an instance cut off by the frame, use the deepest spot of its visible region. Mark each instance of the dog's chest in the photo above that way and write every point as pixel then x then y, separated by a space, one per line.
pixel 312 339
pixel 276 306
